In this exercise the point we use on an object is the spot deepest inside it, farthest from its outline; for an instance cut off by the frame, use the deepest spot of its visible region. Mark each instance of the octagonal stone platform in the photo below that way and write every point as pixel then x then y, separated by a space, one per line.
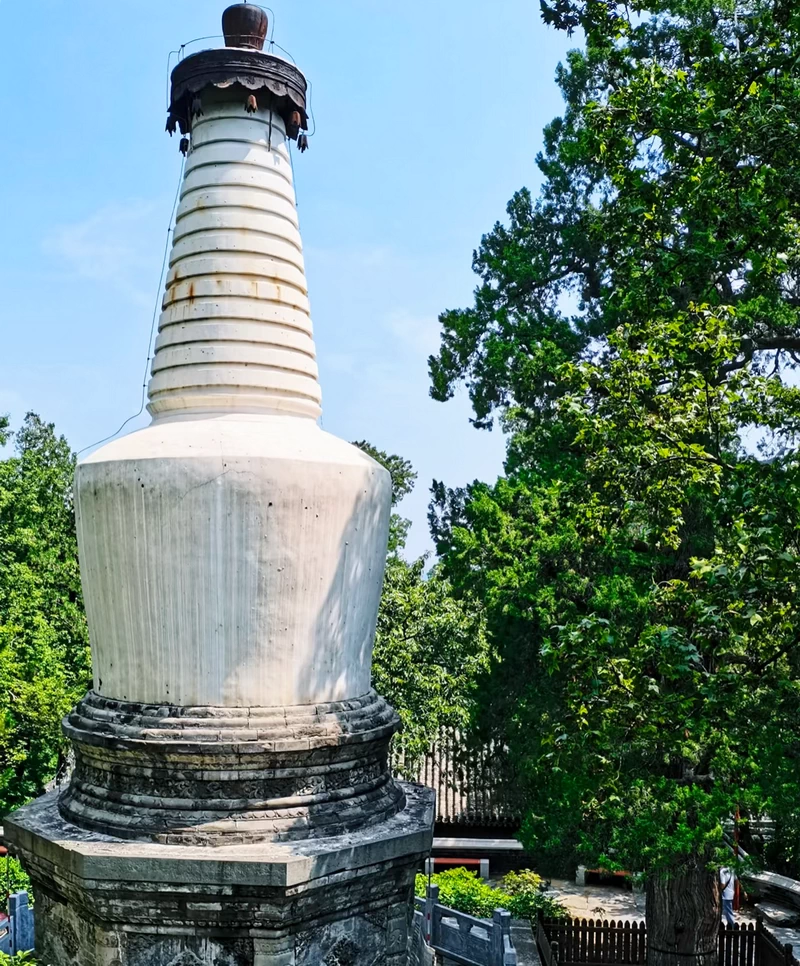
pixel 338 901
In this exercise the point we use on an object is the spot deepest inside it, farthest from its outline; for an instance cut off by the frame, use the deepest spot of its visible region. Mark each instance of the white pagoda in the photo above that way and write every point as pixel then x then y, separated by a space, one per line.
pixel 231 802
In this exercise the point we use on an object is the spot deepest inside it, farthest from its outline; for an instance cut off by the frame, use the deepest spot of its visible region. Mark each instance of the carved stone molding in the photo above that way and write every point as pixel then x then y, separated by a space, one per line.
pixel 230 775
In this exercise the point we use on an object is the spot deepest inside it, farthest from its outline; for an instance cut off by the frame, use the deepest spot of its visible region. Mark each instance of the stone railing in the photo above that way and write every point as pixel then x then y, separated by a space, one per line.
pixel 478 942
pixel 16 932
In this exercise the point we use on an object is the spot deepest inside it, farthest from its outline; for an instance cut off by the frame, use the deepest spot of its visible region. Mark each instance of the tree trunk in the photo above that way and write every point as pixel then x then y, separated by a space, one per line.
pixel 683 917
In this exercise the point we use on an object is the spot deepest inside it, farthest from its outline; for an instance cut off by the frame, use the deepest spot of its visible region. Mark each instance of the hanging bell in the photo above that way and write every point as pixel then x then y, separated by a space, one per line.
pixel 251 104
pixel 172 124
pixel 295 121
pixel 302 143
pixel 197 107
pixel 184 146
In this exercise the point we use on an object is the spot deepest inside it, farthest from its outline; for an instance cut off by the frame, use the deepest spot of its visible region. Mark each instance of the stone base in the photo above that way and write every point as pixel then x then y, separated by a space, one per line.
pixel 104 901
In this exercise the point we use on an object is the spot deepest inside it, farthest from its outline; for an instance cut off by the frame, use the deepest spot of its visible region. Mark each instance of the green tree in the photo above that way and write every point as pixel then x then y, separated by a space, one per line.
pixel 636 332
pixel 44 651
pixel 403 479
pixel 430 648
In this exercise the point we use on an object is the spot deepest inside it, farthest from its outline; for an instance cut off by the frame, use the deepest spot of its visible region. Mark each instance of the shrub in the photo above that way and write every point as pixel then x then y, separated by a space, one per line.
pixel 463 891
pixel 15 879
pixel 520 893
pixel 526 897
pixel 516 883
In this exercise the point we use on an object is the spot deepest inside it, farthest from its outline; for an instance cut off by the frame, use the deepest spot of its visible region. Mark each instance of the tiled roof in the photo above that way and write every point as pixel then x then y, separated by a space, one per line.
pixel 467 781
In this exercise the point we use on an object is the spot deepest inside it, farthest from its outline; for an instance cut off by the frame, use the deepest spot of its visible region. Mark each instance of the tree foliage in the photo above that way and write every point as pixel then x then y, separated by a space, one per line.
pixel 44 651
pixel 636 332
pixel 403 479
pixel 430 648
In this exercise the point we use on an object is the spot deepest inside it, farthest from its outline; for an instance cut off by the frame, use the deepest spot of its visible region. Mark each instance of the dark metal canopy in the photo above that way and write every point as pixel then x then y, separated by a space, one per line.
pixel 275 83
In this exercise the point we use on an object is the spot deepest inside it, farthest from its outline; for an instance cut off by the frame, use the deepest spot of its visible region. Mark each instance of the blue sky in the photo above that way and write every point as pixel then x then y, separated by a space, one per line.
pixel 429 116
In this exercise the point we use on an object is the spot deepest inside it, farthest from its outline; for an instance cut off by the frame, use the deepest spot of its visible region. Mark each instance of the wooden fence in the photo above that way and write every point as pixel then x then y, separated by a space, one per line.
pixel 548 952
pixel 770 952
pixel 582 942
pixel 738 944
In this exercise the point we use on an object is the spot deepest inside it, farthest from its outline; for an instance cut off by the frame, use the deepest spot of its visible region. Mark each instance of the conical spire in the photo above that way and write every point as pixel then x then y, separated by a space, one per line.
pixel 235 333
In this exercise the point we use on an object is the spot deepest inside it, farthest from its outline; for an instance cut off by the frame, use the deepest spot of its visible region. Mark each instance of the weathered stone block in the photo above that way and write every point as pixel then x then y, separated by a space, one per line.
pixel 105 901
pixel 162 774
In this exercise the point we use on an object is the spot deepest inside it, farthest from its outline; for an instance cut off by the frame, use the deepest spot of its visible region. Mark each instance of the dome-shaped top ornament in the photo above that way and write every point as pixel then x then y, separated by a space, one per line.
pixel 245 25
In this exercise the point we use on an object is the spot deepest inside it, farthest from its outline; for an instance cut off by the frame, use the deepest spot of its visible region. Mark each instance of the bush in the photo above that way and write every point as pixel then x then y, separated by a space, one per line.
pixel 515 883
pixel 519 892
pixel 463 891
pixel 17 960
pixel 15 878
pixel 524 894
pixel 525 898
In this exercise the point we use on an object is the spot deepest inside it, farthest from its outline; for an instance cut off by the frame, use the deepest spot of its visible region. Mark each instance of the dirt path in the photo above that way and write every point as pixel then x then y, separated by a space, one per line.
pixel 599 901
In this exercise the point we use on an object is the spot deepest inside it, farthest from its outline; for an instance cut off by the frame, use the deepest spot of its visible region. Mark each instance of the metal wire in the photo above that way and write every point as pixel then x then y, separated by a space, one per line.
pixel 197 41
pixel 273 44
pixel 180 53
pixel 311 108
pixel 169 65
pixel 153 322
pixel 272 22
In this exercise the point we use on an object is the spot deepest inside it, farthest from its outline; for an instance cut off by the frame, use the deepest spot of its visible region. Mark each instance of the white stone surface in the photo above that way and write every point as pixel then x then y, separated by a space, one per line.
pixel 456 844
pixel 232 561
pixel 235 332
pixel 232 553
